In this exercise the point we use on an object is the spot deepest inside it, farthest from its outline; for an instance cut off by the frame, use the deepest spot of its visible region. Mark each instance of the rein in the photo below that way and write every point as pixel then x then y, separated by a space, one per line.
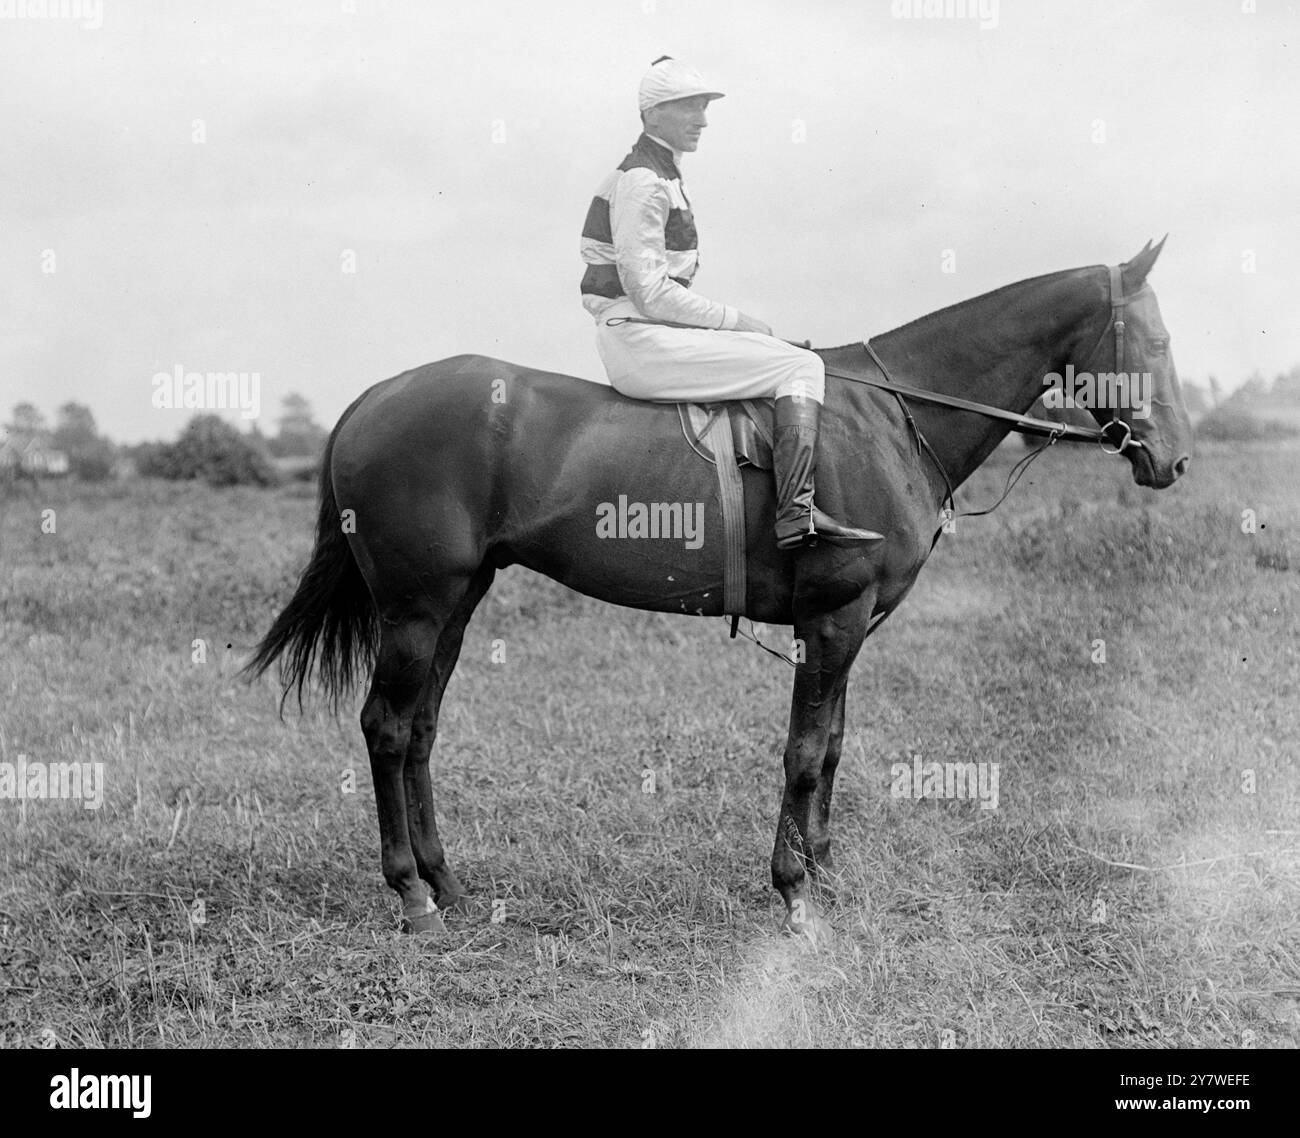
pixel 1024 424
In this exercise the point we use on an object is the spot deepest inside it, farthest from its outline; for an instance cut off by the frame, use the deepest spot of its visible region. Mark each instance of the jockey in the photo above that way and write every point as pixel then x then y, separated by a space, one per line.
pixel 658 339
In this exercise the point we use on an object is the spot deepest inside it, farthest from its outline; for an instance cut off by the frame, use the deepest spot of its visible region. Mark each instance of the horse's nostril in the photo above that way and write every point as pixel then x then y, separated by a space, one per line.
pixel 1180 467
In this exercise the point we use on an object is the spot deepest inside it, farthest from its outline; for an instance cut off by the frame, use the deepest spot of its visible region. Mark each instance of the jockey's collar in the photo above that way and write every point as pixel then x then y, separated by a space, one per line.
pixel 677 154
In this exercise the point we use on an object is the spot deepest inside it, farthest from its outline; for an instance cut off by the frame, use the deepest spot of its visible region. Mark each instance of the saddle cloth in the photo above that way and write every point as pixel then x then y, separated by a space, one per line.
pixel 730 435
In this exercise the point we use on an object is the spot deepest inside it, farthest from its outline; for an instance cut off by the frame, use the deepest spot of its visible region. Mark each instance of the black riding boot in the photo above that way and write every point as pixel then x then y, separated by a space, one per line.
pixel 794 453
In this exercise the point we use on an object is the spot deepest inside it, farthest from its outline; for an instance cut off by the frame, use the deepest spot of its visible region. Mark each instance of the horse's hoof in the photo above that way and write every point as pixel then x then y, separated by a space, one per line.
pixel 457 902
pixel 812 928
pixel 427 924
pixel 423 921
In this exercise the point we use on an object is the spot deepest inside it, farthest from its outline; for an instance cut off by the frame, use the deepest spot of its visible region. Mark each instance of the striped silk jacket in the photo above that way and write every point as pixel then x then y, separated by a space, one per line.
pixel 640 245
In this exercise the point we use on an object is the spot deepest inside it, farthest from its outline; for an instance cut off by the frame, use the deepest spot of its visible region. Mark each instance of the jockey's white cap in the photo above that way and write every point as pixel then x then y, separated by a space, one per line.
pixel 670 79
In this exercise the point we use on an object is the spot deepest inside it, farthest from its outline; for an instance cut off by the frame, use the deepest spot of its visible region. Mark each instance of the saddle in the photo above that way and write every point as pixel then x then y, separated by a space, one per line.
pixel 750 427
pixel 728 436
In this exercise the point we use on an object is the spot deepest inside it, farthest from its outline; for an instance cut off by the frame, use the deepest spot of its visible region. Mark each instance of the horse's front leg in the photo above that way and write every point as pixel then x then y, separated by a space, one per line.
pixel 819 817
pixel 831 642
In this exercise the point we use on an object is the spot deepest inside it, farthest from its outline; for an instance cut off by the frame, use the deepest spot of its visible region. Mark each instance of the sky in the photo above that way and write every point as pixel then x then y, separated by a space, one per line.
pixel 324 194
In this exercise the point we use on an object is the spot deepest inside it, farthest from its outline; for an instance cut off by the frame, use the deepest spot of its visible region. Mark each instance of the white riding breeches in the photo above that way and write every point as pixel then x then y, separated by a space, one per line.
pixel 696 365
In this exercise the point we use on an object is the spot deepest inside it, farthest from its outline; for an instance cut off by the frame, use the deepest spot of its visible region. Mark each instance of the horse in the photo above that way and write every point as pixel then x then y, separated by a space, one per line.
pixel 438 477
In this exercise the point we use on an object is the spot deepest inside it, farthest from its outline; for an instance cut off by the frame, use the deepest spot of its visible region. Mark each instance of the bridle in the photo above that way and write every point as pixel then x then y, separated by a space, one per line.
pixel 1118 302
pixel 1025 424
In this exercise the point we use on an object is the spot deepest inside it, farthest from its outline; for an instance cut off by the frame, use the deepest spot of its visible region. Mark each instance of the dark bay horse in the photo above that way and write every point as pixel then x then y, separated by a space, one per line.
pixel 436 478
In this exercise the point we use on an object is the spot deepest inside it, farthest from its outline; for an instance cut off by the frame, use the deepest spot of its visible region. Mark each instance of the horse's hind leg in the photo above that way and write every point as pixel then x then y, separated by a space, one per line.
pixel 406 653
pixel 422 822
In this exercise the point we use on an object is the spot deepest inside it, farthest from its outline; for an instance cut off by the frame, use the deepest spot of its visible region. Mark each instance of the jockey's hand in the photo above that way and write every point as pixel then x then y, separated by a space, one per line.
pixel 749 324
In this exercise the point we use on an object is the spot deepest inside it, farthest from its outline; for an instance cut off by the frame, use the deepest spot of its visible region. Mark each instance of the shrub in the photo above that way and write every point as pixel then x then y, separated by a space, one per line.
pixel 209 449
pixel 1235 424
pixel 94 461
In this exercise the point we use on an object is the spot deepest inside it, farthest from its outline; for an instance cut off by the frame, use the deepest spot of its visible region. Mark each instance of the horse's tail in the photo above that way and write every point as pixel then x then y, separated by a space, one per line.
pixel 329 627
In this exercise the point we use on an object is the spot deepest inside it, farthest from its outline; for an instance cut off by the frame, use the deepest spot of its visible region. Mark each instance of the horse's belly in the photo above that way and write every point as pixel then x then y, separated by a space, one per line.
pixel 641 526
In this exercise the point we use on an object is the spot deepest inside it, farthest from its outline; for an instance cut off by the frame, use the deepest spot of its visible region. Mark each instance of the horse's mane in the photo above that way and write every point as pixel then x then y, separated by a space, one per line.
pixel 956 308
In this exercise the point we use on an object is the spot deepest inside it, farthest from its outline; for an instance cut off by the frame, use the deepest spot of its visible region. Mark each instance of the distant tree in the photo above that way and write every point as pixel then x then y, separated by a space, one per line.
pixel 150 458
pixel 90 456
pixel 296 415
pixel 209 449
pixel 1254 388
pixel 1232 423
pixel 1287 385
pixel 300 434
pixel 28 422
pixel 1216 390
pixel 74 426
pixel 1196 398
pixel 95 463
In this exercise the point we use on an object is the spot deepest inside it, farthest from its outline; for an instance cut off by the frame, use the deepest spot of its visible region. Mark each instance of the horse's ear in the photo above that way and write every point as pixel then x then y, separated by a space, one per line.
pixel 1135 271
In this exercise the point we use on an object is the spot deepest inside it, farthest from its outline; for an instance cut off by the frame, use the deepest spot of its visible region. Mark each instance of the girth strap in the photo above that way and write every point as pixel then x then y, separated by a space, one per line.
pixel 731 496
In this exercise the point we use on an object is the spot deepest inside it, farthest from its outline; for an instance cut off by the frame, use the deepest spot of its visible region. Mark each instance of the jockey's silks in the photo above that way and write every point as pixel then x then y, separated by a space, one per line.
pixel 640 244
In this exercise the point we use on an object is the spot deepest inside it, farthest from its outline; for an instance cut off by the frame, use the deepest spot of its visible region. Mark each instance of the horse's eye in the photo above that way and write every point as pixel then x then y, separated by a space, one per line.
pixel 1159 345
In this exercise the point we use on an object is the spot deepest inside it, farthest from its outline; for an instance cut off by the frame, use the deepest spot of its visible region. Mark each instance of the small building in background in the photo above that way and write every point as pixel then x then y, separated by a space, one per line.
pixel 31 455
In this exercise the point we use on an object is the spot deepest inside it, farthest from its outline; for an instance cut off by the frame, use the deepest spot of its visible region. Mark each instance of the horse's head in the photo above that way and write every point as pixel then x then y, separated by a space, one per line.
pixel 1139 403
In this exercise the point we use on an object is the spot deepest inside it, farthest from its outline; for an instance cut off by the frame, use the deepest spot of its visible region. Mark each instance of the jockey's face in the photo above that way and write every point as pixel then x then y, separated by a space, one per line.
pixel 679 122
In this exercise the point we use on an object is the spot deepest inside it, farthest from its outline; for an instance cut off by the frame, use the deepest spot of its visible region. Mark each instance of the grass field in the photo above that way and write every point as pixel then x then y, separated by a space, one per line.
pixel 1137 886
